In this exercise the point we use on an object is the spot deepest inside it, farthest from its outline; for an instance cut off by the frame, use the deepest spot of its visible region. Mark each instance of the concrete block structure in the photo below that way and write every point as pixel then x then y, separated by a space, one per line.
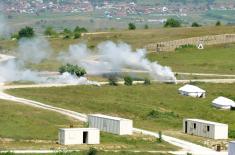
pixel 115 125
pixel 73 136
pixel 205 128
pixel 231 148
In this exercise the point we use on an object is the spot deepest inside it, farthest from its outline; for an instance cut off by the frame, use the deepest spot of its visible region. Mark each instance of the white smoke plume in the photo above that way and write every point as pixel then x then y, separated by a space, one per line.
pixel 34 50
pixel 4 27
pixel 112 57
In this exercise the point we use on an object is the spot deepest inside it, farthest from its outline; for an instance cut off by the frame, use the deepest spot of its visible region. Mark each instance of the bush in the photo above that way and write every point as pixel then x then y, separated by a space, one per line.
pixel 113 81
pixel 147 81
pixel 72 69
pixel 128 80
pixel 26 32
pixel 50 32
pixel 218 23
pixel 80 29
pixel 231 133
pixel 195 24
pixel 146 26
pixel 131 26
pixel 172 23
pixel 77 35
pixel 92 151
pixel 154 114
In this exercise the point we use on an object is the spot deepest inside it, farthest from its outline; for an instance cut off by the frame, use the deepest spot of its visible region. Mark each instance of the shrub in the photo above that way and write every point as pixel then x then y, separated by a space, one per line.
pixel 26 32
pixel 80 29
pixel 128 80
pixel 231 133
pixel 50 32
pixel 218 23
pixel 131 26
pixel 72 69
pixel 154 114
pixel 146 26
pixel 147 81
pixel 92 151
pixel 77 35
pixel 195 24
pixel 172 23
pixel 113 81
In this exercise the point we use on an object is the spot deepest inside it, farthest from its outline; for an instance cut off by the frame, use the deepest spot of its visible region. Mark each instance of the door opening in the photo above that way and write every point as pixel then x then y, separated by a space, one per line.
pixel 85 137
pixel 186 127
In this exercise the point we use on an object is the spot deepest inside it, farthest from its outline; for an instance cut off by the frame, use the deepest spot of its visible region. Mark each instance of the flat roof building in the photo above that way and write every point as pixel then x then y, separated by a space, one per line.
pixel 115 125
pixel 205 128
pixel 73 136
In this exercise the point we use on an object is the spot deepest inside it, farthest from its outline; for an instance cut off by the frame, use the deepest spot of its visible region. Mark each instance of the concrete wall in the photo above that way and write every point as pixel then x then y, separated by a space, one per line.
pixel 214 132
pixel 205 40
pixel 115 126
pixel 73 136
pixel 231 148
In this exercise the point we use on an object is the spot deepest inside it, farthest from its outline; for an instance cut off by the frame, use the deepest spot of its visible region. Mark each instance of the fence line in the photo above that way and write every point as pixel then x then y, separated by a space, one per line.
pixel 205 40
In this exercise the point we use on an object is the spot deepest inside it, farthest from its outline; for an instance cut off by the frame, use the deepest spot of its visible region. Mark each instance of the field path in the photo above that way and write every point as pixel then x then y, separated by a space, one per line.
pixel 185 145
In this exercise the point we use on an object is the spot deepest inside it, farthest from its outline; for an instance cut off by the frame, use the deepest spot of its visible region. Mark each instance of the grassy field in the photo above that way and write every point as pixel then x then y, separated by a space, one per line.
pixel 213 59
pixel 24 127
pixel 98 153
pixel 196 60
pixel 155 107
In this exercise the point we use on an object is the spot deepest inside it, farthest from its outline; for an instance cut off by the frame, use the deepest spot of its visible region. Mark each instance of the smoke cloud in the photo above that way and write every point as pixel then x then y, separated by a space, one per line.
pixel 4 27
pixel 112 57
pixel 34 50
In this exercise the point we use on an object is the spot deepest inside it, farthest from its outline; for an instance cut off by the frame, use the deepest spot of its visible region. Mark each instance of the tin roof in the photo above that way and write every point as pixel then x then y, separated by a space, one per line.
pixel 206 122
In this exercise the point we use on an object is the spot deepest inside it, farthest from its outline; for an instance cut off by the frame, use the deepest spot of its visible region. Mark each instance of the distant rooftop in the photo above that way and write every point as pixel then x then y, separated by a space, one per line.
pixel 109 117
pixel 206 122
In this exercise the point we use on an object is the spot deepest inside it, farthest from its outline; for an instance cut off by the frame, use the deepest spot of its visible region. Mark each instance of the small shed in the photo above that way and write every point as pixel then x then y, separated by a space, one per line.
pixel 193 91
pixel 115 125
pixel 73 136
pixel 205 128
pixel 231 148
pixel 223 103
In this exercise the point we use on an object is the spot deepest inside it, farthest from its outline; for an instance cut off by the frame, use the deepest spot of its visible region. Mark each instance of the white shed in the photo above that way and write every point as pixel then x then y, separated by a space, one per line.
pixel 223 103
pixel 231 148
pixel 193 91
pixel 73 136
pixel 111 124
pixel 206 129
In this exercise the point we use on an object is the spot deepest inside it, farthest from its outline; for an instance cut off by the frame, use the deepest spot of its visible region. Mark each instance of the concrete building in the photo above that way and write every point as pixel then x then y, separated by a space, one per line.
pixel 73 136
pixel 193 91
pixel 231 148
pixel 206 129
pixel 223 103
pixel 111 124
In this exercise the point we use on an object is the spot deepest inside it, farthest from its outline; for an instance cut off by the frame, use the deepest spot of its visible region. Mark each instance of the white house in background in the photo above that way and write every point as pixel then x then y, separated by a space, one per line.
pixel 73 136
pixel 223 103
pixel 231 148
pixel 115 125
pixel 206 129
pixel 193 91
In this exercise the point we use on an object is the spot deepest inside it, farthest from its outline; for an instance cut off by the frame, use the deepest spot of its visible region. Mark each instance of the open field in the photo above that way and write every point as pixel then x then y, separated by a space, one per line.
pixel 98 153
pixel 198 61
pixel 213 59
pixel 24 127
pixel 138 102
